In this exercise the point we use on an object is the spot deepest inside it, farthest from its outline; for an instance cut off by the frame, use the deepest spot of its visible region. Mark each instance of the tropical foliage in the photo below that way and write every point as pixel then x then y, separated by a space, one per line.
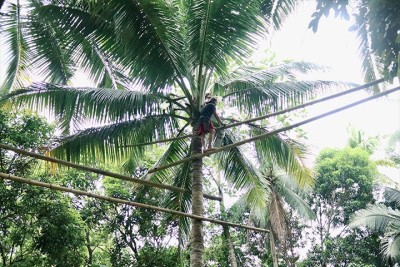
pixel 384 218
pixel 34 223
pixel 152 64
pixel 344 184
pixel 376 24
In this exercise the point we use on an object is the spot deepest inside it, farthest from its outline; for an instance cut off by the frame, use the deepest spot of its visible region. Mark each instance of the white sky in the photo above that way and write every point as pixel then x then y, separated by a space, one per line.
pixel 333 45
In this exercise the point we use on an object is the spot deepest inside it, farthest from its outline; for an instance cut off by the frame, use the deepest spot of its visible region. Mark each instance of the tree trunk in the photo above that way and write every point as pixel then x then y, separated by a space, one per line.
pixel 89 248
pixel 227 235
pixel 231 250
pixel 273 249
pixel 196 234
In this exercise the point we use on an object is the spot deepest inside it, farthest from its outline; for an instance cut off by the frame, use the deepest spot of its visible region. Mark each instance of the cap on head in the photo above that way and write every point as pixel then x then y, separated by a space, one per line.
pixel 213 100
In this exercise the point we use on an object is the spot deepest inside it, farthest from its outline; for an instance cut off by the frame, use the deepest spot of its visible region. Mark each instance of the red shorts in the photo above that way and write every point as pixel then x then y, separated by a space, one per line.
pixel 204 128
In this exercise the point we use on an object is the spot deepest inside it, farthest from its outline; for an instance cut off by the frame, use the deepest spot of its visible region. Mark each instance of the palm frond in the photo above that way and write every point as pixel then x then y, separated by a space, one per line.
pixel 222 30
pixel 52 58
pixel 101 106
pixel 296 201
pixel 236 166
pixel 177 150
pixel 98 66
pixel 181 201
pixel 259 92
pixel 260 100
pixel 287 154
pixel 243 175
pixel 13 30
pixel 394 138
pixel 391 242
pixel 392 195
pixel 369 63
pixel 180 176
pixel 276 12
pixel 245 77
pixel 110 142
pixel 376 217
pixel 146 27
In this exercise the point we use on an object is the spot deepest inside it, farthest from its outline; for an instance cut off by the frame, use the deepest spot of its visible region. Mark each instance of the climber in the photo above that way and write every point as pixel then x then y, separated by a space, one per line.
pixel 205 124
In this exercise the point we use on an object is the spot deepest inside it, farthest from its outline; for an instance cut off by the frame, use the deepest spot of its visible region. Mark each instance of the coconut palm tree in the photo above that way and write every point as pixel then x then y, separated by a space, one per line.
pixel 152 63
pixel 380 217
pixel 268 197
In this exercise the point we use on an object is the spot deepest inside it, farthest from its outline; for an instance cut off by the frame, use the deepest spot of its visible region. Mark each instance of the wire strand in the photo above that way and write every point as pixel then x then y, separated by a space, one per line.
pixel 126 202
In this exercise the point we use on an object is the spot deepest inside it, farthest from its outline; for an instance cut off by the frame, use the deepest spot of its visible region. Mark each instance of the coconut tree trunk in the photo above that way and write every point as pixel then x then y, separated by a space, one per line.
pixel 89 248
pixel 196 234
pixel 227 234
pixel 273 248
pixel 231 250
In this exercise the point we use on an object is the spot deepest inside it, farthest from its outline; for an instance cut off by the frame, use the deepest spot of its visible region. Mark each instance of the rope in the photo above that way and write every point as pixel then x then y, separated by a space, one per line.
pixel 102 172
pixel 271 114
pixel 126 202
pixel 262 136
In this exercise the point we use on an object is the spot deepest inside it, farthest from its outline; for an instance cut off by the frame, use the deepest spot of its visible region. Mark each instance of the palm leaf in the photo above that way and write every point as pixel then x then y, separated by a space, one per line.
pixel 369 64
pixel 276 12
pixel 392 195
pixel 236 166
pixel 243 175
pixel 394 138
pixel 391 241
pixel 102 106
pixel 12 25
pixel 181 201
pixel 294 197
pixel 245 77
pixel 145 27
pixel 376 217
pixel 176 150
pixel 257 91
pixel 110 142
pixel 222 30
pixel 52 58
pixel 287 154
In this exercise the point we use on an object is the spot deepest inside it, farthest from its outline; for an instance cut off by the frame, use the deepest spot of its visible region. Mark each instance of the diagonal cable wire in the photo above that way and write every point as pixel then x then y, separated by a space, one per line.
pixel 126 202
pixel 261 136
pixel 271 114
pixel 102 172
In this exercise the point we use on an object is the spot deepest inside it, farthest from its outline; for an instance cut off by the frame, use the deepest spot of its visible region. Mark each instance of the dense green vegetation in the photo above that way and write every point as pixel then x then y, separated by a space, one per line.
pixel 40 227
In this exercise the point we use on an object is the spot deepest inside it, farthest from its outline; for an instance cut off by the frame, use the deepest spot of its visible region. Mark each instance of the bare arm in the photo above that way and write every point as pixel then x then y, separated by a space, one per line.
pixel 218 118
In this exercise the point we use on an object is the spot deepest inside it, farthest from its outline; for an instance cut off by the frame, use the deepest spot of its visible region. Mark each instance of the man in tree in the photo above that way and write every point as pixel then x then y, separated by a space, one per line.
pixel 205 124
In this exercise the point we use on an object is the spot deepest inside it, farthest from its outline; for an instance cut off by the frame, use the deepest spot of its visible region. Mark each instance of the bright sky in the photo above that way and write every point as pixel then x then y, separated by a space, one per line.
pixel 333 45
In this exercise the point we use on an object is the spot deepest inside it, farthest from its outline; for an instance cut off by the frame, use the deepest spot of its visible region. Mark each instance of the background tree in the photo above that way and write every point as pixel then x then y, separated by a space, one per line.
pixel 344 179
pixel 381 217
pixel 37 227
pixel 358 139
pixel 393 147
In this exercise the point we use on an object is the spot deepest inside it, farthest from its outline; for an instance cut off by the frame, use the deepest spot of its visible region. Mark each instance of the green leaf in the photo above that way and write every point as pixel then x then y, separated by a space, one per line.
pixel 114 141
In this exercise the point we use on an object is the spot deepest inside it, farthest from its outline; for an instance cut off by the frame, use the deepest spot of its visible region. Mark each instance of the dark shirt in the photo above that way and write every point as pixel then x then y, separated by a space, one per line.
pixel 208 110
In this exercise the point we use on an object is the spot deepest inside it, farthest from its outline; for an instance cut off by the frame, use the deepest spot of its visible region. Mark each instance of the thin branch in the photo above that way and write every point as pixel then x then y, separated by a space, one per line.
pixel 262 136
pixel 126 202
pixel 102 172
